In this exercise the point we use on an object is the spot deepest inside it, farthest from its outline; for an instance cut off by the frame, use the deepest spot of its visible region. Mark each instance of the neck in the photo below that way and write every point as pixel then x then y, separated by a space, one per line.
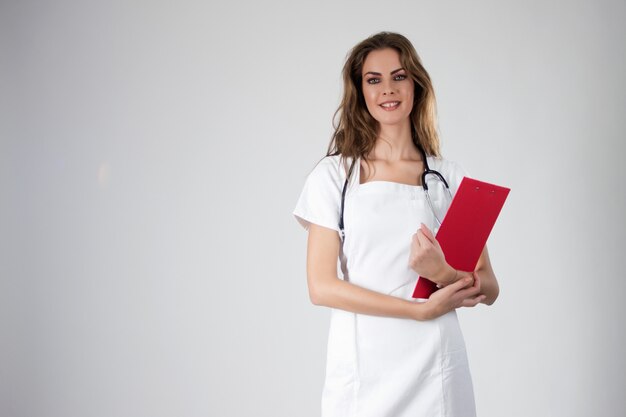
pixel 394 143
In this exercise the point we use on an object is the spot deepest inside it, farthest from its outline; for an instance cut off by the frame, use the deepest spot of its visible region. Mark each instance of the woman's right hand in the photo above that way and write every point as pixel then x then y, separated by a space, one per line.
pixel 462 293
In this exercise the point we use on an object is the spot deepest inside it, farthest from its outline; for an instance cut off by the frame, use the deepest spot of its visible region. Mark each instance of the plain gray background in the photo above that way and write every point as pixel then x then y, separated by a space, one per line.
pixel 152 152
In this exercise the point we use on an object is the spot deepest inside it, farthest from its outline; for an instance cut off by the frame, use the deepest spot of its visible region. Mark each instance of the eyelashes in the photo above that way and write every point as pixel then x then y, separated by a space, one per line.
pixel 375 80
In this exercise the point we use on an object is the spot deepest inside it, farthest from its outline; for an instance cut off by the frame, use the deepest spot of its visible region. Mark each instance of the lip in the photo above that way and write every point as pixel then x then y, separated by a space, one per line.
pixel 390 108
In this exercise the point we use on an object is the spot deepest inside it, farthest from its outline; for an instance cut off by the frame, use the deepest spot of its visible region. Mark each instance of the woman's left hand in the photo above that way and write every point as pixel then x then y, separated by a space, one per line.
pixel 427 258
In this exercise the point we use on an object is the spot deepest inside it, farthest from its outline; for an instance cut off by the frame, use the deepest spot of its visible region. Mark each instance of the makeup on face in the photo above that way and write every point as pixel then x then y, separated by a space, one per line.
pixel 387 89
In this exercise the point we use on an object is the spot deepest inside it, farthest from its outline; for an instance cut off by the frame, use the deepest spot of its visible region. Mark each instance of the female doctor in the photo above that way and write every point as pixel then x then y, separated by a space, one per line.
pixel 388 354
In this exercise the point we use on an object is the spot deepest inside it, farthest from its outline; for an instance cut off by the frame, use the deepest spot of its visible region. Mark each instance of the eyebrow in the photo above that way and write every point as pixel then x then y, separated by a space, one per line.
pixel 378 73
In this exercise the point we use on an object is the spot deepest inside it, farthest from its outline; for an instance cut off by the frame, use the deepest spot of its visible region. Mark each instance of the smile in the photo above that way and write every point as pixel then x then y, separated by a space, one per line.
pixel 390 105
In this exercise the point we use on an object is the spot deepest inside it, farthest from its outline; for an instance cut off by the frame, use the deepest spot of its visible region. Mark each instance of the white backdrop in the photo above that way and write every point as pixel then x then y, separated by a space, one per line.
pixel 151 154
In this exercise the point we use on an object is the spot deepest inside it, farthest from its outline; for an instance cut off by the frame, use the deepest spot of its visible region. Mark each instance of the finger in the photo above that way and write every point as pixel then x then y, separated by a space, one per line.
pixel 427 233
pixel 473 302
pixel 468 275
pixel 416 240
pixel 457 285
pixel 462 275
pixel 476 279
pixel 423 240
pixel 469 292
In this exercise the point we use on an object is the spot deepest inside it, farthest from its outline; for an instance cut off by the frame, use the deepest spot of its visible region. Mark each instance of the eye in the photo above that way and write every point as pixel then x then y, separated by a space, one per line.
pixel 373 80
pixel 400 77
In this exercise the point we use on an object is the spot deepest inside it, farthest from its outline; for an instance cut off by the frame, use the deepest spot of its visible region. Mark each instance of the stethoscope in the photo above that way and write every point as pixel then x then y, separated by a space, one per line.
pixel 427 171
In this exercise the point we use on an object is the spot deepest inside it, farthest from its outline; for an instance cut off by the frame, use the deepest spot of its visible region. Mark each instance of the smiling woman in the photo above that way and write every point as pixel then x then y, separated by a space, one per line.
pixel 388 94
pixel 388 354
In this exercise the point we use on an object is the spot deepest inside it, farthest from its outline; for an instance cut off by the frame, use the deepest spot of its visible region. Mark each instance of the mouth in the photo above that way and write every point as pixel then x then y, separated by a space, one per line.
pixel 390 105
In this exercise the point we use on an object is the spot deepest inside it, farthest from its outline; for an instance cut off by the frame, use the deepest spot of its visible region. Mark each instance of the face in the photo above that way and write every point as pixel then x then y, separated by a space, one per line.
pixel 387 87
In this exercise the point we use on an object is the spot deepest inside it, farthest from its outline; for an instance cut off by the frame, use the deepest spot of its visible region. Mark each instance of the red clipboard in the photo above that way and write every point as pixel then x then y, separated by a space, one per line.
pixel 466 227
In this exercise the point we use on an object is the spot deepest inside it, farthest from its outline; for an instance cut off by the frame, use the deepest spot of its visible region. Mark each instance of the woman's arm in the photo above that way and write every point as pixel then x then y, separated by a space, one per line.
pixel 427 259
pixel 489 284
pixel 325 287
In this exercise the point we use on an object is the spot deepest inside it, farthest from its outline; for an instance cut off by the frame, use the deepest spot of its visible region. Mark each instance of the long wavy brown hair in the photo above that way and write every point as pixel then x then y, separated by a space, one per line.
pixel 355 128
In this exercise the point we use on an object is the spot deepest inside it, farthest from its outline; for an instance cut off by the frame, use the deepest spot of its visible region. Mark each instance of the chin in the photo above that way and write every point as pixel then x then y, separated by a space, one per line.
pixel 392 120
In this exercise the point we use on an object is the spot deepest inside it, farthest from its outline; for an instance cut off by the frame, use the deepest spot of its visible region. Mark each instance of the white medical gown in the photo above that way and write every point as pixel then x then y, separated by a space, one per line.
pixel 384 366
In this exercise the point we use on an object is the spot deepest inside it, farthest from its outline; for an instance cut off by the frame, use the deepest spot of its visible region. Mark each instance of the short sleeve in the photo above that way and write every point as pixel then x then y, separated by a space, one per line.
pixel 320 199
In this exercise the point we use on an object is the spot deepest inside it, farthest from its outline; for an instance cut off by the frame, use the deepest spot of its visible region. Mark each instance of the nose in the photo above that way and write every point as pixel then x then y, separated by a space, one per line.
pixel 387 89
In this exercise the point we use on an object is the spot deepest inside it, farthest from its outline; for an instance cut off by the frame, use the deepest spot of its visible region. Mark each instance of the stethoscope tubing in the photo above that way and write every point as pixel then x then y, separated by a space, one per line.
pixel 427 171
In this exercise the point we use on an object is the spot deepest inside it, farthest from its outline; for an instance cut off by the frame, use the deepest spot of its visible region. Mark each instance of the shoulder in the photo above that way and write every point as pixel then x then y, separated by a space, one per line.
pixel 320 198
pixel 444 165
pixel 452 171
pixel 329 163
pixel 331 170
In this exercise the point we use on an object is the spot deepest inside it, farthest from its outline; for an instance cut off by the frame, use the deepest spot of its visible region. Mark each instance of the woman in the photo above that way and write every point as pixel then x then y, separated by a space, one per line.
pixel 388 354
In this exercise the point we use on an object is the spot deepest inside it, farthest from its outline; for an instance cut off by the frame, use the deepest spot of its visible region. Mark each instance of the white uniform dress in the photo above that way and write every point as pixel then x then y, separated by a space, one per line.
pixel 383 366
